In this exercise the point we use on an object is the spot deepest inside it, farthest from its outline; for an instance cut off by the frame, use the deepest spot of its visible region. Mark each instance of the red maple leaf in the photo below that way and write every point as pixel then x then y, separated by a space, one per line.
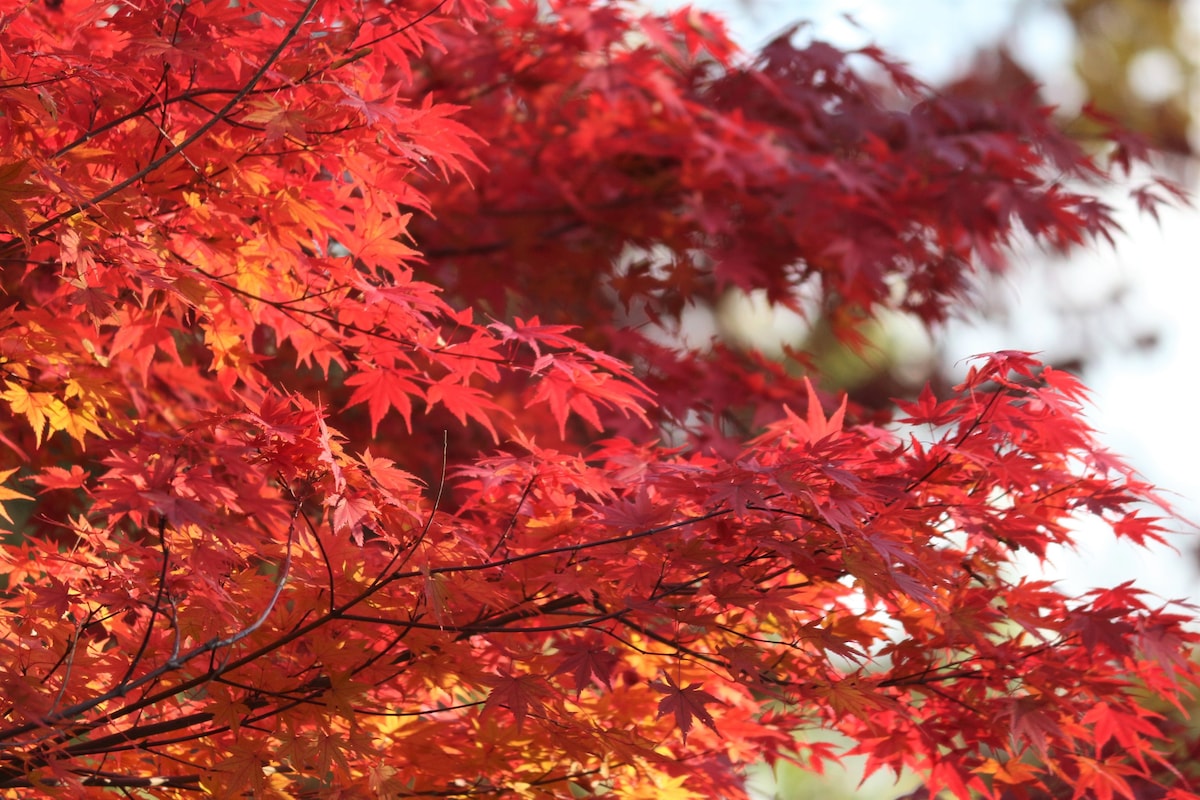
pixel 520 694
pixel 685 703
pixel 587 661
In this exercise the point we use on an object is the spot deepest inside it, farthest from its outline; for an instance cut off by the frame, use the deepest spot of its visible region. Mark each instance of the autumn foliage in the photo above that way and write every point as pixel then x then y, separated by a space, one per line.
pixel 349 448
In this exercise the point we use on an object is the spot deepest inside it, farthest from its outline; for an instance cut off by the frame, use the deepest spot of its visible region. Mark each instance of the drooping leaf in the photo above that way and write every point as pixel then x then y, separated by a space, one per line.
pixel 685 704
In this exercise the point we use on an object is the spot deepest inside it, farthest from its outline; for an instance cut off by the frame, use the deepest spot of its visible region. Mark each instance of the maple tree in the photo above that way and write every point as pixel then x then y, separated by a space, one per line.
pixel 351 450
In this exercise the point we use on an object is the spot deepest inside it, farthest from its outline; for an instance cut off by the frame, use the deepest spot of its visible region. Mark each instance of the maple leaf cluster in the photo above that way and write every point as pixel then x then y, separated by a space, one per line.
pixel 347 449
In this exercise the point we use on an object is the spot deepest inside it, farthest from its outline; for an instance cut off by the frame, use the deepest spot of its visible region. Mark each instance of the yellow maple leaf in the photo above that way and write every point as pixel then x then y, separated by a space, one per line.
pixel 9 494
pixel 659 786
pixel 37 407
pixel 14 188
pixel 226 342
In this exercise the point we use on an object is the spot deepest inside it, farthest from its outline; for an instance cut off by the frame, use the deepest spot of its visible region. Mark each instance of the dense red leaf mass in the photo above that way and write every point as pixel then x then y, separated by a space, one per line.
pixel 348 449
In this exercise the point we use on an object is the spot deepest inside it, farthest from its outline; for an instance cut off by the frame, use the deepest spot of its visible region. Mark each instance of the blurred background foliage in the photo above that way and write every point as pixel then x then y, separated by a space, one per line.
pixel 1135 59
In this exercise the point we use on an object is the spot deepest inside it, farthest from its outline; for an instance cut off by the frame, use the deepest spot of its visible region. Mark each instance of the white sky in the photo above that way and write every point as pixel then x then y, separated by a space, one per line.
pixel 1145 402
